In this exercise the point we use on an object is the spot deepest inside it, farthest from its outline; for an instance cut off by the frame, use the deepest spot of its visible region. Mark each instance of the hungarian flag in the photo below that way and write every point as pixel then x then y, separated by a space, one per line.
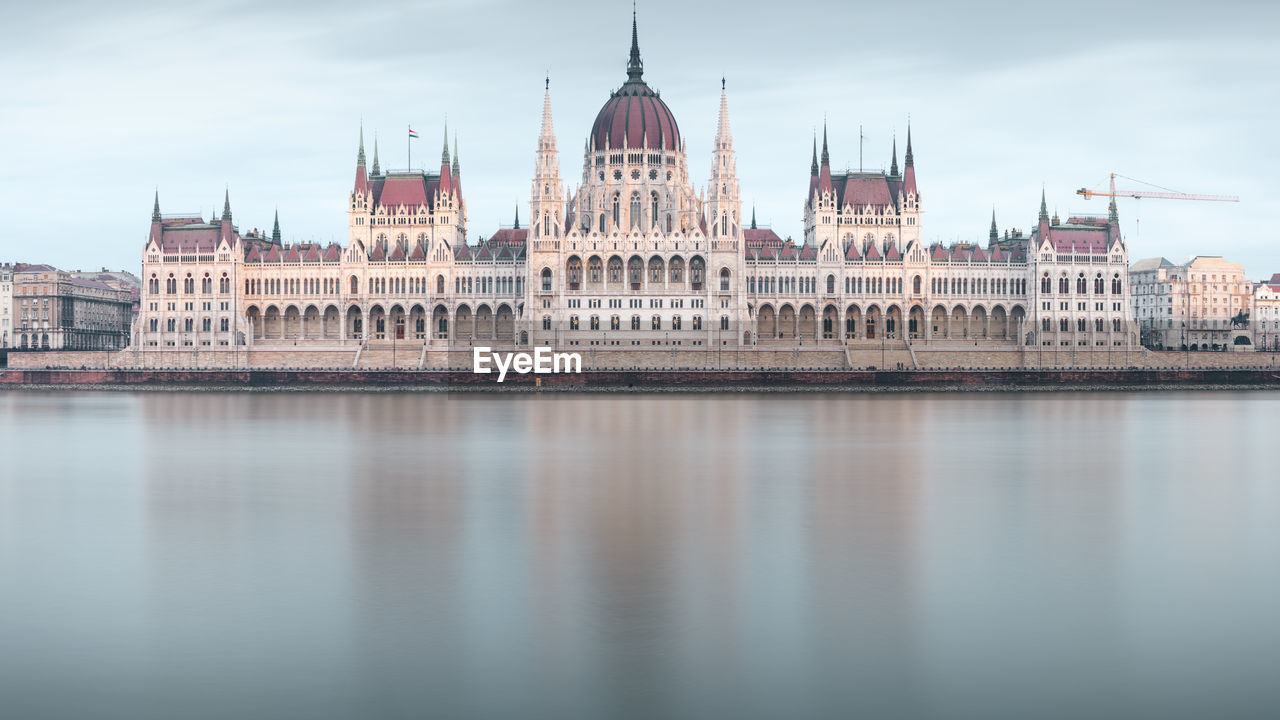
pixel 413 133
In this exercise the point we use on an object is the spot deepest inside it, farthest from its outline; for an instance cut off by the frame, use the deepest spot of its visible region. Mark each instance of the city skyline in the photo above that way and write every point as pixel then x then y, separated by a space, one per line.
pixel 275 112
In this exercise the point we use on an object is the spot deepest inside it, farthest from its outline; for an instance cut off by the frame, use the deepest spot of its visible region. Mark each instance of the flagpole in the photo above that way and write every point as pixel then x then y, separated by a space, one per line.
pixel 408 143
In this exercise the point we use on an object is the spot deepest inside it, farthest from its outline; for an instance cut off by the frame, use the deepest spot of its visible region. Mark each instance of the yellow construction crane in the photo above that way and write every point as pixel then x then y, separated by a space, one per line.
pixel 1168 195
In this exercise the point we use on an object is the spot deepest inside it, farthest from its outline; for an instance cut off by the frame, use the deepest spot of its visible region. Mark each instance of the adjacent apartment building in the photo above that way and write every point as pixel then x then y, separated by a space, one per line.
pixel 1266 314
pixel 1203 304
pixel 6 305
pixel 56 310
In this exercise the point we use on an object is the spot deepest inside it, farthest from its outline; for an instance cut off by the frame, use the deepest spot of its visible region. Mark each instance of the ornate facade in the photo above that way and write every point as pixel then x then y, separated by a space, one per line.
pixel 633 257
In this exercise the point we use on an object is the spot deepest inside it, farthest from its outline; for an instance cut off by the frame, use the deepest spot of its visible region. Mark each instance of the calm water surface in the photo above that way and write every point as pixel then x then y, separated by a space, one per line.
pixel 170 555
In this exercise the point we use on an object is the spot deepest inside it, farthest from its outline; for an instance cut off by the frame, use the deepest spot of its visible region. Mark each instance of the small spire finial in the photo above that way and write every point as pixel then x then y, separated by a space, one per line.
pixel 813 167
pixel 994 234
pixel 1044 207
pixel 275 230
pixel 635 67
pixel 360 154
pixel 444 154
pixel 516 225
pixel 911 161
pixel 226 205
pixel 376 169
pixel 155 209
pixel 455 153
pixel 893 167
pixel 753 217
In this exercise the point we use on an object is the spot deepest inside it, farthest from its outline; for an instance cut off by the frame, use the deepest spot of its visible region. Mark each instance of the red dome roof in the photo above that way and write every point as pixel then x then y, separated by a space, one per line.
pixel 636 117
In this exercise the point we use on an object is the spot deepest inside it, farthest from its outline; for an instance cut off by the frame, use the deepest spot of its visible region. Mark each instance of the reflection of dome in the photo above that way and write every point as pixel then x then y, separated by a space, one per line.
pixel 635 116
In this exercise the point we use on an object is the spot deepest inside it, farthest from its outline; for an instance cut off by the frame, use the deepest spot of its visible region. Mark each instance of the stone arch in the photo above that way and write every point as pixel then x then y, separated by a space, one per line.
pixel 615 273
pixel 978 322
pixel 440 322
pixel 916 323
pixel 292 323
pixel 893 322
pixel 675 272
pixel 853 328
pixel 872 325
pixel 377 329
pixel 959 322
pixel 330 323
pixel 787 322
pixel 595 272
pixel 767 322
pixel 808 322
pixel 939 327
pixel 830 323
pixel 255 320
pixel 464 327
pixel 397 323
pixel 355 323
pixel 418 327
pixel 573 272
pixel 485 322
pixel 272 325
pixel 999 323
pixel 505 324
pixel 697 272
pixel 311 323
pixel 657 271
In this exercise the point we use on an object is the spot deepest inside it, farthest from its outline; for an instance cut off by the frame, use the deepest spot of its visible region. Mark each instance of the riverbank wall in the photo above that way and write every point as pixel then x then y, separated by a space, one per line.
pixel 645 380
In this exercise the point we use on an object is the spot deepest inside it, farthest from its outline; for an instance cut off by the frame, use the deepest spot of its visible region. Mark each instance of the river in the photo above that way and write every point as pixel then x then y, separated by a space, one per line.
pixel 350 555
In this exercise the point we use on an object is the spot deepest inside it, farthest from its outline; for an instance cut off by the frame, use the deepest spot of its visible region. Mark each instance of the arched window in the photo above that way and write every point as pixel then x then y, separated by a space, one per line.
pixel 635 272
pixel 546 223
pixel 439 284
pixel 206 285
pixel 915 285
pixel 546 279
pixel 615 269
pixel 616 211
pixel 224 284
pixel 675 272
pixel 546 322
pixel 615 323
pixel 697 271
pixel 1082 286
pixel 595 322
pixel 602 222
pixel 153 285
pixel 595 270
pixel 189 285
pixel 1099 287
pixel 831 284
pixel 1115 284
pixel 635 322
pixel 724 224
pixel 653 209
pixel 573 273
pixel 724 279
pixel 1062 325
pixel 355 285
pixel 1064 285
pixel 655 270
pixel 1044 324
pixel 1097 325
pixel 1080 325
pixel 634 220
pixel 657 322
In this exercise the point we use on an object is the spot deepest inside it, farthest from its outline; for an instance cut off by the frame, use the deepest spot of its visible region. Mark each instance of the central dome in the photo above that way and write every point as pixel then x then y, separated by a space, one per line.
pixel 634 116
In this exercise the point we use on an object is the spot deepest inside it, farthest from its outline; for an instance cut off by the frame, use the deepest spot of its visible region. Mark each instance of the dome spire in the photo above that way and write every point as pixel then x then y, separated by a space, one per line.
pixel 635 67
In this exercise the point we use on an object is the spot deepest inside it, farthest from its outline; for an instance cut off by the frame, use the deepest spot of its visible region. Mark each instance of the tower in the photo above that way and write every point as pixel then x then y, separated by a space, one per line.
pixel 723 203
pixel 546 201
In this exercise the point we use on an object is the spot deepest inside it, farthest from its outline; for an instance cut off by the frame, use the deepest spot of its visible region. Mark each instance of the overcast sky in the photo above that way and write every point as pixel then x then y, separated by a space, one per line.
pixel 105 102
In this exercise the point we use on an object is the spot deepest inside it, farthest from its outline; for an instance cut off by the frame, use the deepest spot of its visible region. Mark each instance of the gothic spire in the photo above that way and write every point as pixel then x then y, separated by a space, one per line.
pixel 1044 208
pixel 753 217
pixel 455 154
pixel 635 67
pixel 516 226
pixel 547 138
pixel 723 136
pixel 360 155
pixel 444 154
pixel 911 161
pixel 813 167
pixel 826 157
pixel 994 234
pixel 893 168
pixel 275 230
pixel 376 170
pixel 226 205
pixel 155 209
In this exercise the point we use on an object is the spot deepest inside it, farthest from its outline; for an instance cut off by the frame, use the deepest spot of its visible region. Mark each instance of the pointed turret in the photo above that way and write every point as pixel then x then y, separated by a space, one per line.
pixel 724 139
pixel 516 223
pixel 1044 209
pixel 446 176
pixel 893 165
pixel 725 208
pixel 376 169
pixel 156 228
pixel 909 174
pixel 994 235
pixel 275 229
pixel 548 215
pixel 362 180
pixel 1113 216
pixel 226 205
pixel 824 171
pixel 455 155
pixel 753 217
pixel 635 66
pixel 813 166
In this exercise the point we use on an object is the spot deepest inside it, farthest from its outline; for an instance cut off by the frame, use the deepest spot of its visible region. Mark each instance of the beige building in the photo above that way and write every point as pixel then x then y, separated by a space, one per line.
pixel 1266 314
pixel 1203 304
pixel 6 305
pixel 54 310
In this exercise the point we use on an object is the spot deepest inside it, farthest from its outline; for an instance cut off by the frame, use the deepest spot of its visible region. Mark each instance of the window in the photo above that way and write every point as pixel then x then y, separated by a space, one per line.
pixel 574 273
pixel 697 322
pixel 616 215
pixel 1064 285
pixel 675 323
pixel 594 270
pixel 546 322
pixel 724 279
pixel 635 322
pixel 615 323
pixel 355 285
pixel 831 284
pixel 546 279
pixel 657 322
pixel 615 269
